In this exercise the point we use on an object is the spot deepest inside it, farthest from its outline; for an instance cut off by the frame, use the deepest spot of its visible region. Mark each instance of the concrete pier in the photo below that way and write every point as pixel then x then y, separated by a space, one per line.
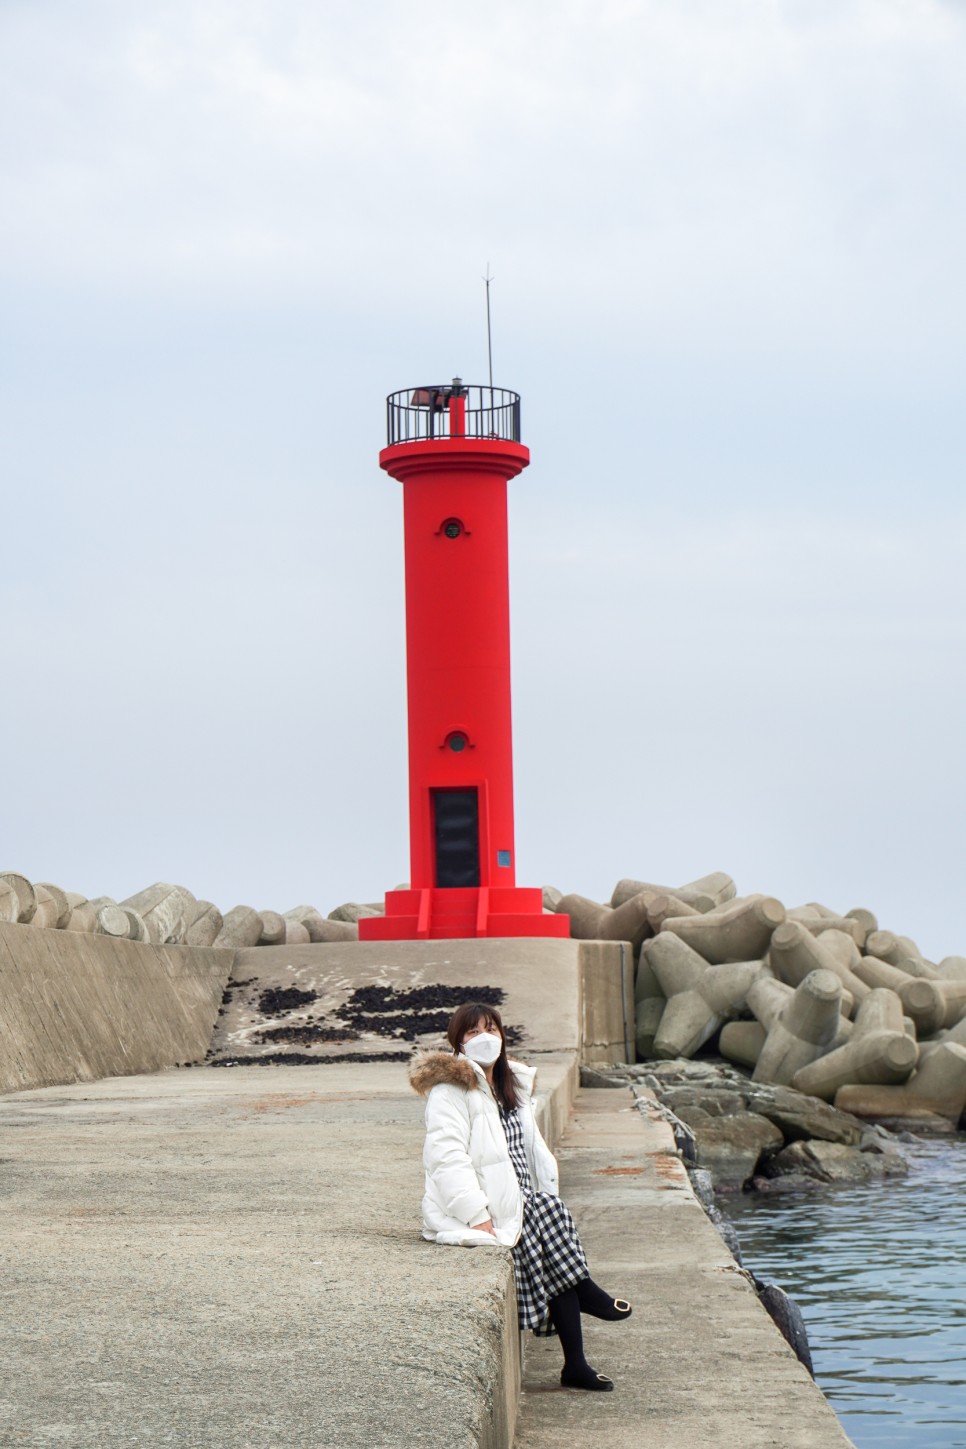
pixel 230 1259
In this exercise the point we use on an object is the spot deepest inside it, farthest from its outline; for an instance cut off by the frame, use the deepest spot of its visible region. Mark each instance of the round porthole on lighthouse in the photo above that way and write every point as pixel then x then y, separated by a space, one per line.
pixel 457 741
pixel 452 528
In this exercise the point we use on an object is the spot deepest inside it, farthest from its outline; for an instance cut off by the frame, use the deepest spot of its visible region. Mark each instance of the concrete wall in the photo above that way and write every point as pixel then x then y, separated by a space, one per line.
pixel 607 1001
pixel 561 995
pixel 75 1008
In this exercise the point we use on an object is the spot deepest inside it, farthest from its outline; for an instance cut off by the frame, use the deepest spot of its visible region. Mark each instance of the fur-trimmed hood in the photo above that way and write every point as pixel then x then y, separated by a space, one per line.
pixel 430 1069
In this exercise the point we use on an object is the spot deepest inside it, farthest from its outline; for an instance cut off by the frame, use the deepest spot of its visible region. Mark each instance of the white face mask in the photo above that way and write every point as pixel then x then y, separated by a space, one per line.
pixel 484 1048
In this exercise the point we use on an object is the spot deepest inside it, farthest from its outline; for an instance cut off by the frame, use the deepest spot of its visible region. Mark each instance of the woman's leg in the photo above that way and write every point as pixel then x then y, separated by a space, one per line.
pixel 598 1304
pixel 577 1372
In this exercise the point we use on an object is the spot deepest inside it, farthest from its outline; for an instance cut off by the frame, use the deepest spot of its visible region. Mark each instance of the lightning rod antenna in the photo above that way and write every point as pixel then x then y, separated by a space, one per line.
pixel 489 331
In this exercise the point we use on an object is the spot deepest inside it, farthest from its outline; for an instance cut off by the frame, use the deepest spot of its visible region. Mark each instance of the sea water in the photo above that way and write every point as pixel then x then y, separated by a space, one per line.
pixel 879 1273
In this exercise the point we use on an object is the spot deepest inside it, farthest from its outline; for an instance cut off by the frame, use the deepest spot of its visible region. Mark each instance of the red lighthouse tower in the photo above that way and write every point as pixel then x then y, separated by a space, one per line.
pixel 454 449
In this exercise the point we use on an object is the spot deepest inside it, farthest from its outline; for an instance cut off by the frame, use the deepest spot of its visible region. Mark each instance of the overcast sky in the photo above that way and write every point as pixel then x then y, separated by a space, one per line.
pixel 728 242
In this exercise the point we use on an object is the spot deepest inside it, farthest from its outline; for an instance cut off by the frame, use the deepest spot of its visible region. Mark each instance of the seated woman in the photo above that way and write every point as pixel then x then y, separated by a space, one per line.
pixel 492 1180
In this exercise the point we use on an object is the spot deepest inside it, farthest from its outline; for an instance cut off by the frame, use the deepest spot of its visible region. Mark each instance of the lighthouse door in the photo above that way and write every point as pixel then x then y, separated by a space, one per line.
pixel 456 825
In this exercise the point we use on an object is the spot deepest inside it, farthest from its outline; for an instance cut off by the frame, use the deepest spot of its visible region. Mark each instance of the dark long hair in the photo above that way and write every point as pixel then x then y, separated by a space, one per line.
pixel 470 1014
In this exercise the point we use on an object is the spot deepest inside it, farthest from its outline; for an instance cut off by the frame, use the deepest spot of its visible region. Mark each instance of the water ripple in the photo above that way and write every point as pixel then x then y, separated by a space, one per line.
pixel 880 1275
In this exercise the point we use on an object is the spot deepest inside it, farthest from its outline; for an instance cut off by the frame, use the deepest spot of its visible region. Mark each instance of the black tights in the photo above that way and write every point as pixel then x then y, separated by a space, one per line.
pixel 565 1317
pixel 565 1311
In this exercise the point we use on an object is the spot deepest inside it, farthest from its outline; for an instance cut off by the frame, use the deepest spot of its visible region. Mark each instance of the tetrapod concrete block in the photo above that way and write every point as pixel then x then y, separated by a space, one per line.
pixel 865 918
pixel 112 919
pixel 137 927
pixel 625 890
pixel 741 933
pixel 629 922
pixel 591 921
pixel 794 952
pixel 887 946
pixel 699 997
pixel 767 998
pixel 879 1050
pixel 60 909
pixel 955 1034
pixel 242 927
pixel 205 923
pixel 938 1087
pixel 917 966
pixel 742 1041
pixel 82 918
pixel 806 1028
pixel 819 919
pixel 677 970
pixel 900 951
pixel 922 1000
pixel 9 903
pixel 47 908
pixel 733 904
pixel 842 947
pixel 952 968
pixel 649 1004
pixel 646 983
pixel 718 885
pixel 319 929
pixel 273 929
pixel 954 995
pixel 355 911
pixel 165 910
pixel 647 1020
pixel 586 916
pixel 26 900
pixel 662 907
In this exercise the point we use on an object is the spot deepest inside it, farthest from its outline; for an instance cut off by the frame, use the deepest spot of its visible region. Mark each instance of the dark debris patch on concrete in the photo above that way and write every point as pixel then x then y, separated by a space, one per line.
pixel 389 998
pixel 410 1014
pixel 302 1059
pixel 305 1035
pixel 277 999
pixel 406 1015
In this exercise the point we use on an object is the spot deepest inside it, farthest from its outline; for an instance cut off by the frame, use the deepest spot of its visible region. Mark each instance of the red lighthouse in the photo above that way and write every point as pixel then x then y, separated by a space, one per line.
pixel 454 449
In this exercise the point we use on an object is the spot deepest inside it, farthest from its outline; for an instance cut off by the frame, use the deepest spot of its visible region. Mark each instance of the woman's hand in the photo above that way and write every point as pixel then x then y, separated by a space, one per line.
pixel 486 1227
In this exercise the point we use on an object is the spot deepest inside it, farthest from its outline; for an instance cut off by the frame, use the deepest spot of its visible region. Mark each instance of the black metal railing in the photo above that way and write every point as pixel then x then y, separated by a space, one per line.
pixel 452 410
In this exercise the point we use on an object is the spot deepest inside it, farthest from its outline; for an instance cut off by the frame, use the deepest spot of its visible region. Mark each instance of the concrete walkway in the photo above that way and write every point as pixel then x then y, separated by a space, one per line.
pixel 230 1259
pixel 699 1364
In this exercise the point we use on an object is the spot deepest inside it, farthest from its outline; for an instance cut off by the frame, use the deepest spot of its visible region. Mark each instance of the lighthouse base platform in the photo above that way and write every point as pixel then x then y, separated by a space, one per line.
pixel 439 914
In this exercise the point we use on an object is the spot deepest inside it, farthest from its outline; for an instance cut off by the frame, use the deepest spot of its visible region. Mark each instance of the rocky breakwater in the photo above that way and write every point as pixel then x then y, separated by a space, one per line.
pixel 754 1135
pixel 733 1133
pixel 808 999
pixel 170 915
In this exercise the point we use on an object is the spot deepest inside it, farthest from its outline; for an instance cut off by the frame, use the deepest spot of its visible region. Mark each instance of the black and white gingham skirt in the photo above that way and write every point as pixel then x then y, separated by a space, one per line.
pixel 548 1259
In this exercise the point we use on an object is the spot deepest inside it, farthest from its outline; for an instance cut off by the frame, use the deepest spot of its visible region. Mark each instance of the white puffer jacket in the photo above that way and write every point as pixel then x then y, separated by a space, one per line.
pixel 469 1175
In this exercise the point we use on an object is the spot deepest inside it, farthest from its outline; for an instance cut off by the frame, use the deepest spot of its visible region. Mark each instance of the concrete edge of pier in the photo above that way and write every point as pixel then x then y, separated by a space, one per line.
pixel 700 1362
